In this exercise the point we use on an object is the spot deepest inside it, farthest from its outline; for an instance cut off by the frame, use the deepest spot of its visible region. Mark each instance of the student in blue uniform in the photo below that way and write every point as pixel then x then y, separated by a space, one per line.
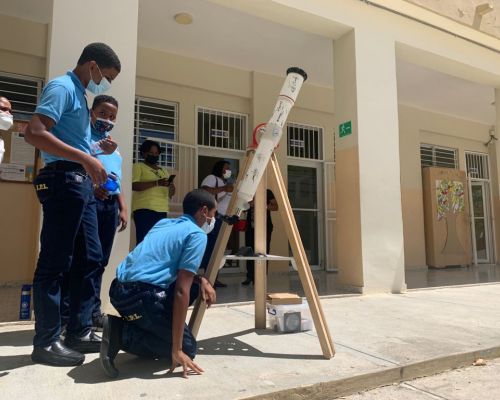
pixel 154 287
pixel 69 241
pixel 111 206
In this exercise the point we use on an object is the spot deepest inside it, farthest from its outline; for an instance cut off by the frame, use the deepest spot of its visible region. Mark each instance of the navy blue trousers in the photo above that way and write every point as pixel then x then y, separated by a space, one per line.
pixel 144 220
pixel 107 222
pixel 148 311
pixel 69 245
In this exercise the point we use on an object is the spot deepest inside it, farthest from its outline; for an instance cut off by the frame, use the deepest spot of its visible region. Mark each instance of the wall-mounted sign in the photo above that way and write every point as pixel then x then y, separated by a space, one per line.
pixel 345 129
pixel 297 143
pixel 219 133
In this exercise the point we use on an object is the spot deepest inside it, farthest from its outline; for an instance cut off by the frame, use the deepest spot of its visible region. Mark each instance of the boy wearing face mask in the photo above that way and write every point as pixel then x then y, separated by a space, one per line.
pixel 154 287
pixel 111 206
pixel 6 121
pixel 69 240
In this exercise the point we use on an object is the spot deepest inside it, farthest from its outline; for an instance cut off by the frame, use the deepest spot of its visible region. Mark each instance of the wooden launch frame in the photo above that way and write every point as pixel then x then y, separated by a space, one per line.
pixel 299 254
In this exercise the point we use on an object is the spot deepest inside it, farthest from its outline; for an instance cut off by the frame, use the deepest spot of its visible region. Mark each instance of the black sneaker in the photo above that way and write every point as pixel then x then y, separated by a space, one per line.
pixel 57 355
pixel 97 321
pixel 90 343
pixel 111 344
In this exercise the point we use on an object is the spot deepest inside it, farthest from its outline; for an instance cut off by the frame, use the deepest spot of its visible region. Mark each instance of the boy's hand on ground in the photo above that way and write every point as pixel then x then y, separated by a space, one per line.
pixel 207 292
pixel 180 359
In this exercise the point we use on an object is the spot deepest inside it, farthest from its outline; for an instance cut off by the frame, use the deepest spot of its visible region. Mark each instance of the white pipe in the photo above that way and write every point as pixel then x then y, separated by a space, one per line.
pixel 270 138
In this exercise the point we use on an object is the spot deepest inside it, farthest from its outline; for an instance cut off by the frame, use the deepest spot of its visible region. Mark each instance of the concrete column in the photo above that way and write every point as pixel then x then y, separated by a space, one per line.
pixel 494 153
pixel 370 226
pixel 73 26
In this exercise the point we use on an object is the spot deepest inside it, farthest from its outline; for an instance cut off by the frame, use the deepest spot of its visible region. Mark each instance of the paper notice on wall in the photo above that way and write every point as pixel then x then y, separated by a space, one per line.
pixel 20 151
pixel 12 172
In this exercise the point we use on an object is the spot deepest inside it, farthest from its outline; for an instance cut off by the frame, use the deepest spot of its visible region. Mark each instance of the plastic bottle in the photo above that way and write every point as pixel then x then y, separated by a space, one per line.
pixel 95 148
pixel 25 306
pixel 111 184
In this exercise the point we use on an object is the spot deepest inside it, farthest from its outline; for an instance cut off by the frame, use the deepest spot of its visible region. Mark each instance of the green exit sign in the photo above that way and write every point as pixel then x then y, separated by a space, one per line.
pixel 345 129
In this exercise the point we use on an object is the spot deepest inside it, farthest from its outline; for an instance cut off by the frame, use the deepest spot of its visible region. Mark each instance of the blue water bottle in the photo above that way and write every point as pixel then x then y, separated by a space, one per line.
pixel 25 306
pixel 111 184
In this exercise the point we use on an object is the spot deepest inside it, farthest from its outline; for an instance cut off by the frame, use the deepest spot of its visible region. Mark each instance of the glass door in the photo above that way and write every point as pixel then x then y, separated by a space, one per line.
pixel 304 194
pixel 481 221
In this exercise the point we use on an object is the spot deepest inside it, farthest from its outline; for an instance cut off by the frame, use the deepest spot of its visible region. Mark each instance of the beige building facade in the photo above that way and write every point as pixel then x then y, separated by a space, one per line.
pixel 415 86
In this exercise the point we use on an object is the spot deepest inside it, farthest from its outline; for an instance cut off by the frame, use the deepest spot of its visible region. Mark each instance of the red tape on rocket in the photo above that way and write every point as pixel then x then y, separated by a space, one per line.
pixel 270 137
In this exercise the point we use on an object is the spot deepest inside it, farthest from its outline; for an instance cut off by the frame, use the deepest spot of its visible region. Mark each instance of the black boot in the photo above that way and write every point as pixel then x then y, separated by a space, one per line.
pixel 111 344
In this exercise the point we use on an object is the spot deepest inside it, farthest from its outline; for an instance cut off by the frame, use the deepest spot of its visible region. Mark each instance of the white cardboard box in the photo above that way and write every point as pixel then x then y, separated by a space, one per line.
pixel 285 317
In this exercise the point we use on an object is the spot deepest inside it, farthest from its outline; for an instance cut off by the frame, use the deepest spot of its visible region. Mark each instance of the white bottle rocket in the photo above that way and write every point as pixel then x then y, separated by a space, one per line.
pixel 270 137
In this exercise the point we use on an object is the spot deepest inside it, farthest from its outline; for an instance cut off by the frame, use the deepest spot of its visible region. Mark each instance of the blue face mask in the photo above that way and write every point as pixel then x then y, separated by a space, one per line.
pixel 102 125
pixel 100 88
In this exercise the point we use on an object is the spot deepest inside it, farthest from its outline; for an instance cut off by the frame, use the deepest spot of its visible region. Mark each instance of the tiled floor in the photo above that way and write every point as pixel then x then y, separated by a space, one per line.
pixel 483 273
pixel 282 282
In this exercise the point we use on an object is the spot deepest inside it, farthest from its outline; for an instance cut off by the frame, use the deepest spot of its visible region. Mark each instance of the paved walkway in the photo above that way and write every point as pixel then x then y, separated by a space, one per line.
pixel 378 338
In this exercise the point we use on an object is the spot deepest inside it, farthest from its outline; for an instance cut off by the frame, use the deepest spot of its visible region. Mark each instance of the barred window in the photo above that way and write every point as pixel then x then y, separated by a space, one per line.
pixel 477 165
pixel 304 141
pixel 221 129
pixel 156 120
pixel 22 92
pixel 437 156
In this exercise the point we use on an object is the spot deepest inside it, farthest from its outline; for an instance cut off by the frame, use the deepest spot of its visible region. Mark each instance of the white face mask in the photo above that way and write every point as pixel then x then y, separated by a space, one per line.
pixel 227 174
pixel 208 227
pixel 6 121
pixel 103 86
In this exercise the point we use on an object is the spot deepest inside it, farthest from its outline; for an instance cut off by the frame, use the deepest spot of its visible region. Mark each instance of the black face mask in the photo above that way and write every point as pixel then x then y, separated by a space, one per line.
pixel 152 159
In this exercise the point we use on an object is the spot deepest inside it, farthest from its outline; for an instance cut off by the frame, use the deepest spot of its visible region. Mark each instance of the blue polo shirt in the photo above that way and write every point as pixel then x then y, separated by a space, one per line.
pixel 171 245
pixel 63 101
pixel 111 162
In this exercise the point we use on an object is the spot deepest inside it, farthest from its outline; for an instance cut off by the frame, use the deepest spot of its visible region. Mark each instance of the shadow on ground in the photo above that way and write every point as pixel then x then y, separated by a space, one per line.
pixel 131 366
pixel 230 345
pixel 17 338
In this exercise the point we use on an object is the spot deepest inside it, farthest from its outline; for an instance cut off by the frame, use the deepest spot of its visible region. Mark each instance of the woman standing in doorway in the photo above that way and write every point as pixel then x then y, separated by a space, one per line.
pixel 217 184
pixel 151 190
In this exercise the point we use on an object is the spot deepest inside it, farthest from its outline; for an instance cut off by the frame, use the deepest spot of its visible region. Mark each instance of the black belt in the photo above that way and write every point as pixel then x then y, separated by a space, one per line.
pixel 62 165
pixel 141 286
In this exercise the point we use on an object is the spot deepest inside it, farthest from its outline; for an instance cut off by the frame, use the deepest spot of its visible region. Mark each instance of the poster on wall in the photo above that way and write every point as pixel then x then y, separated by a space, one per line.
pixel 12 172
pixel 20 157
pixel 20 151
pixel 450 202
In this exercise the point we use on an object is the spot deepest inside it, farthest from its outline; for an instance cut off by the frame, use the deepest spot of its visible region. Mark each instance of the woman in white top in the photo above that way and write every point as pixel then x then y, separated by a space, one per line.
pixel 216 184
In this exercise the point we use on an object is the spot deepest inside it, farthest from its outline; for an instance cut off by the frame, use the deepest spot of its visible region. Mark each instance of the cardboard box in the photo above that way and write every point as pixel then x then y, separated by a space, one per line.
pixel 283 298
pixel 288 318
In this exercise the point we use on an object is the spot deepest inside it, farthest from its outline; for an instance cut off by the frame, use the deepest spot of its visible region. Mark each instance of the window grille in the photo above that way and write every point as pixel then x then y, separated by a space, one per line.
pixel 221 129
pixel 22 92
pixel 156 120
pixel 436 156
pixel 304 141
pixel 477 165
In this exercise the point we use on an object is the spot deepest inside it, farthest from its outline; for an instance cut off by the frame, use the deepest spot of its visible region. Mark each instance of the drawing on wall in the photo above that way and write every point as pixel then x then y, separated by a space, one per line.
pixel 450 202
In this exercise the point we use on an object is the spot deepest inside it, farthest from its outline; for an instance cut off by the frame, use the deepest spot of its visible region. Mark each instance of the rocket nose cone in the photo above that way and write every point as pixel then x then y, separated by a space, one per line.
pixel 297 70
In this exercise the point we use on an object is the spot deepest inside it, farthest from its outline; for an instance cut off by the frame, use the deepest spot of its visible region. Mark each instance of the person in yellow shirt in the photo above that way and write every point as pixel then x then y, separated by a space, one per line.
pixel 151 190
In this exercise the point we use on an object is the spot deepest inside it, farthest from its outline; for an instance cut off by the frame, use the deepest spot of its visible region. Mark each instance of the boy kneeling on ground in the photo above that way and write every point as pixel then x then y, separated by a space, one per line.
pixel 154 287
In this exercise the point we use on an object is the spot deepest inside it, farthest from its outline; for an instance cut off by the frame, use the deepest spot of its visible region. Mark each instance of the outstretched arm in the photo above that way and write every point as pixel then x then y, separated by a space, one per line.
pixel 181 303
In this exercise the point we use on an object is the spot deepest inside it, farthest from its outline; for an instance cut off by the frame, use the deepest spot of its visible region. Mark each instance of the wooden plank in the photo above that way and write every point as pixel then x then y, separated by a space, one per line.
pixel 218 253
pixel 260 232
pixel 304 270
